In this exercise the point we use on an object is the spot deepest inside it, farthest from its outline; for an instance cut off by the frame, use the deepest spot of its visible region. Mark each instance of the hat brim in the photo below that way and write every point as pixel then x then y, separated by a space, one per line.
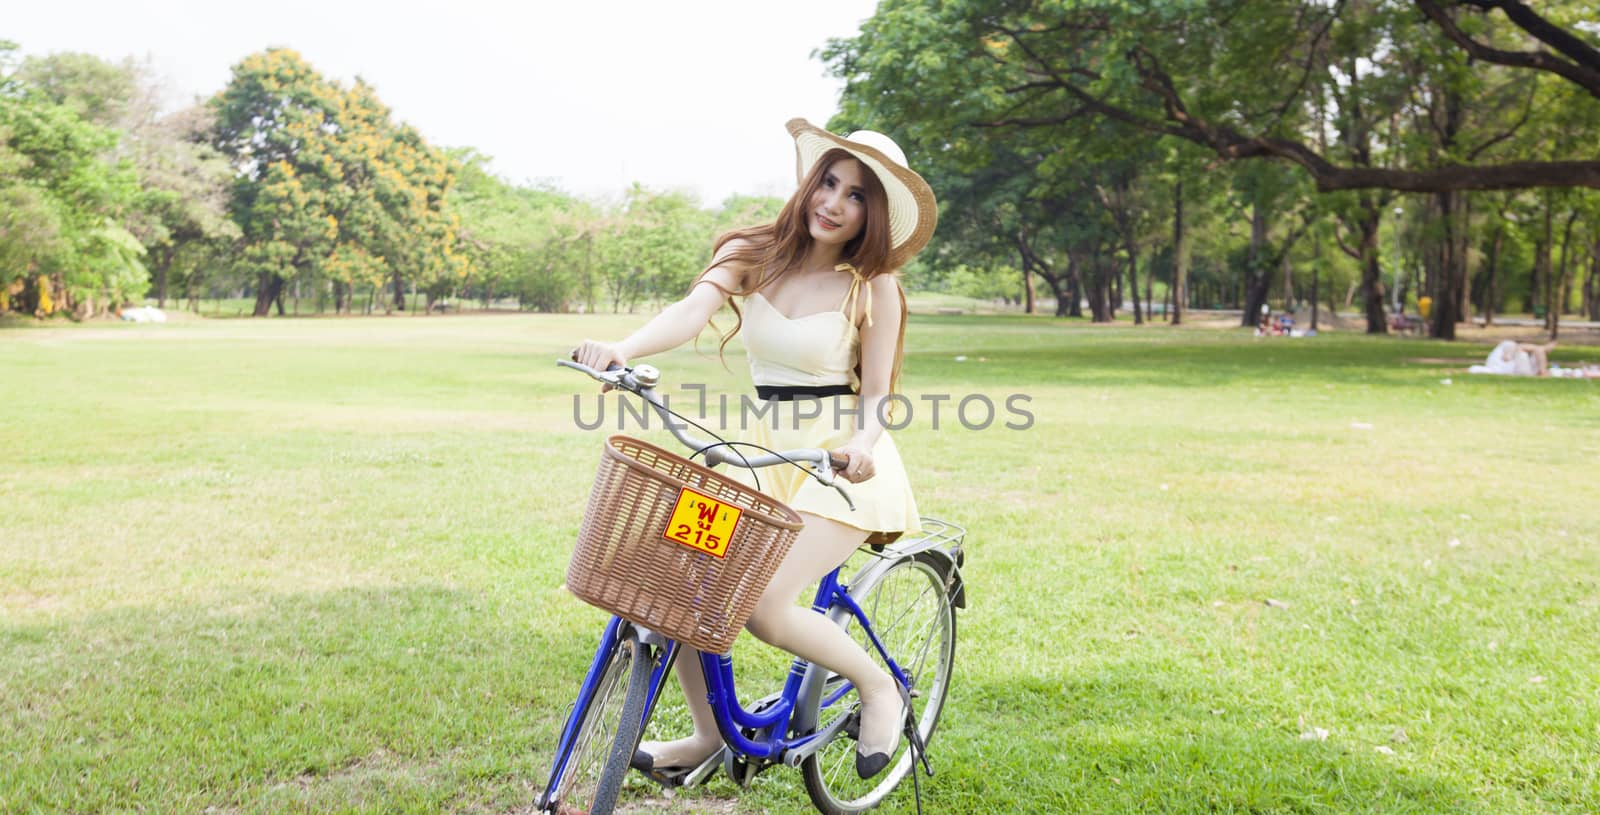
pixel 913 211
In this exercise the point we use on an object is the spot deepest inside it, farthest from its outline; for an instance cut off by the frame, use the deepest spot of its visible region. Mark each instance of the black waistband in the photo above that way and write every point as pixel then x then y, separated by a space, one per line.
pixel 786 393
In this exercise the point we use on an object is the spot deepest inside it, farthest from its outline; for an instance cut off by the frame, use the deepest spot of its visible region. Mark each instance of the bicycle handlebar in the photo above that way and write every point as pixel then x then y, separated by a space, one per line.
pixel 641 380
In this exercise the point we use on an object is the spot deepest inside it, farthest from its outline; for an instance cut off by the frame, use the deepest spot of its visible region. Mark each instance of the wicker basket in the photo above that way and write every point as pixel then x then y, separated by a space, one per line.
pixel 677 547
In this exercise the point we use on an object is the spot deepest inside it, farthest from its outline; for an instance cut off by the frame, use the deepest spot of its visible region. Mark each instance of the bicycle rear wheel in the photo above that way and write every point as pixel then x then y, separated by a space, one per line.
pixel 606 735
pixel 911 613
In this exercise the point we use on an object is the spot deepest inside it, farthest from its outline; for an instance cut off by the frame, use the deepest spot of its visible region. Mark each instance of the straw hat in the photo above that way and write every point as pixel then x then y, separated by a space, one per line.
pixel 912 209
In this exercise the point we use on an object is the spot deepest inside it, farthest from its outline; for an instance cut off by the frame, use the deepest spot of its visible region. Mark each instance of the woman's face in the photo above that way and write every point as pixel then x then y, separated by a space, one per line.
pixel 837 210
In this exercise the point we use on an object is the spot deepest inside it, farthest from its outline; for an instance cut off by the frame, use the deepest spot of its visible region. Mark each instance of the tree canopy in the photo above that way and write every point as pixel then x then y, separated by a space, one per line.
pixel 1141 157
pixel 1367 100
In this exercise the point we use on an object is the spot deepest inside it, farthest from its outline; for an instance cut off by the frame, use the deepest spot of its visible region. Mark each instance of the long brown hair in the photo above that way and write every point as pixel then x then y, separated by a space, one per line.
pixel 777 249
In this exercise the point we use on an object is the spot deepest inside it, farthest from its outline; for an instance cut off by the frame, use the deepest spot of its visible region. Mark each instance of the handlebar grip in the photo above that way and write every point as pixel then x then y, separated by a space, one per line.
pixel 573 356
pixel 837 461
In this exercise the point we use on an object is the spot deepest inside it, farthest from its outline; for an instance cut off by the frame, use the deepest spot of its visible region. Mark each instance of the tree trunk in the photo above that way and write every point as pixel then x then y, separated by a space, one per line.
pixel 1316 272
pixel 1491 285
pixel 1133 280
pixel 269 287
pixel 1028 294
pixel 189 293
pixel 1255 276
pixel 1591 292
pixel 1149 291
pixel 1109 277
pixel 1431 258
pixel 1098 290
pixel 1371 270
pixel 1067 288
pixel 1541 265
pixel 1074 288
pixel 399 293
pixel 1561 291
pixel 1058 287
pixel 1180 257
pixel 1447 282
pixel 1463 251
pixel 1031 263
pixel 1288 283
pixel 163 265
pixel 1057 281
pixel 1450 284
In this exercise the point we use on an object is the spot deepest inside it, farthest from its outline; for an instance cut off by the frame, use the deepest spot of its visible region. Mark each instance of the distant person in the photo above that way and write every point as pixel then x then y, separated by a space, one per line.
pixel 1514 358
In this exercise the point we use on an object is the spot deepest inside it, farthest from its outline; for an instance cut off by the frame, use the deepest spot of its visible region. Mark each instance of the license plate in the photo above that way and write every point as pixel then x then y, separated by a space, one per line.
pixel 701 522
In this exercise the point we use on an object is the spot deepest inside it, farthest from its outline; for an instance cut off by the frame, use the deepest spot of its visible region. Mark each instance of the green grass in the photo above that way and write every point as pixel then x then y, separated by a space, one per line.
pixel 316 565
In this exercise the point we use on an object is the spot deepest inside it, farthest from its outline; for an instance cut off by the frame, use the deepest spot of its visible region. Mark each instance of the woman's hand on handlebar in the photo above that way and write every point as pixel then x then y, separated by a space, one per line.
pixel 859 466
pixel 599 356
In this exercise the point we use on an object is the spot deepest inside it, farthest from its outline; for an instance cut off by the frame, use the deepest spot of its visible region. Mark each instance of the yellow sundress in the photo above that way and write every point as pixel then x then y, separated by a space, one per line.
pixel 818 351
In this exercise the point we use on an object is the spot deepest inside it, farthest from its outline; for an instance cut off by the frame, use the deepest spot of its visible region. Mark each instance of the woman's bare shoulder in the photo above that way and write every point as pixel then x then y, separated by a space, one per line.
pixel 730 266
pixel 735 257
pixel 886 287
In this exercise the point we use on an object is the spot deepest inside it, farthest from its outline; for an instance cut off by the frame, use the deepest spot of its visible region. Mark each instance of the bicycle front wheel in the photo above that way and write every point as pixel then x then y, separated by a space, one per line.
pixel 911 613
pixel 606 735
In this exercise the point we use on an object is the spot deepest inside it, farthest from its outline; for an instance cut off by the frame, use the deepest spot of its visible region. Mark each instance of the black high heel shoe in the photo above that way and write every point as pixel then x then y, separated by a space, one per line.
pixel 669 777
pixel 869 765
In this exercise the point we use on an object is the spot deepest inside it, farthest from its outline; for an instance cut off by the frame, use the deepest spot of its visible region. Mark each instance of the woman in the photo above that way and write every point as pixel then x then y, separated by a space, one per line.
pixel 824 318
pixel 1520 358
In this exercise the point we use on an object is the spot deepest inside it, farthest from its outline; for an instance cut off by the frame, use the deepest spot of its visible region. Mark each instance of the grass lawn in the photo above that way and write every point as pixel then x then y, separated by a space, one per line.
pixel 316 565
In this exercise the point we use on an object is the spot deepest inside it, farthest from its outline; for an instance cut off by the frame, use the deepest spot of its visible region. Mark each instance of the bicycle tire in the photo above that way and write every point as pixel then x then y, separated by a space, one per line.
pixel 911 611
pixel 606 735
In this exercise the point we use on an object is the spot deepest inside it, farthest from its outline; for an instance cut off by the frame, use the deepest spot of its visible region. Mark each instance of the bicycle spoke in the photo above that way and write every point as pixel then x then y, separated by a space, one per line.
pixel 911 619
pixel 578 786
pixel 884 629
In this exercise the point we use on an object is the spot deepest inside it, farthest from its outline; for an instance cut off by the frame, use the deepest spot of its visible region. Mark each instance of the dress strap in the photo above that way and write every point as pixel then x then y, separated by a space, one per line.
pixel 858 284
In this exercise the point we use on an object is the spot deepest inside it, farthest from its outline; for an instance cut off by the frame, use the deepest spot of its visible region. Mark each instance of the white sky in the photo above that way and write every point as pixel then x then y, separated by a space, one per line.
pixel 591 96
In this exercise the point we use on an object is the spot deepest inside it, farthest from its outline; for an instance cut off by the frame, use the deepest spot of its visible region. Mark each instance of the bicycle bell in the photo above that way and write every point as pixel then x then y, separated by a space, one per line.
pixel 646 375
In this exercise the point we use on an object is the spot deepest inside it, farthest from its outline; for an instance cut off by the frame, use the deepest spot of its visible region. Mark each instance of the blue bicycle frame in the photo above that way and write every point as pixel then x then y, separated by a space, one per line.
pixel 732 717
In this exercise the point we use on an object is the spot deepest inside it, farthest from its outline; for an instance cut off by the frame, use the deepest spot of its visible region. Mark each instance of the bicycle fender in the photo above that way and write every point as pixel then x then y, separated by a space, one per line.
pixel 949 563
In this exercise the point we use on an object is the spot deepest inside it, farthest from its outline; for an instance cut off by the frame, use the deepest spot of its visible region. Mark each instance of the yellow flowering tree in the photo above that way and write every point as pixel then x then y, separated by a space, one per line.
pixel 331 191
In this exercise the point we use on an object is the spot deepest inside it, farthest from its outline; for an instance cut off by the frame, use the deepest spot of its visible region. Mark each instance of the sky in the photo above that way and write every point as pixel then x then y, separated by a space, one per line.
pixel 588 96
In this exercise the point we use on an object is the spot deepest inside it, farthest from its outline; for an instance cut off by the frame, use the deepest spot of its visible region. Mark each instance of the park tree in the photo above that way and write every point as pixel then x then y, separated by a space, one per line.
pixel 655 245
pixel 185 194
pixel 741 211
pixel 532 242
pixel 330 189
pixel 1276 206
pixel 557 252
pixel 62 243
pixel 95 90
pixel 183 181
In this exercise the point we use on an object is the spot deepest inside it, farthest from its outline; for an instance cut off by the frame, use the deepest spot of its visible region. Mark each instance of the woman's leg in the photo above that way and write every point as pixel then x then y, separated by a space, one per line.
pixel 693 749
pixel 1541 358
pixel 821 546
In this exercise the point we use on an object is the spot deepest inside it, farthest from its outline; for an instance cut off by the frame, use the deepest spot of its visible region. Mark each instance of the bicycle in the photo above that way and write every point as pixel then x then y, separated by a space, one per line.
pixel 900 606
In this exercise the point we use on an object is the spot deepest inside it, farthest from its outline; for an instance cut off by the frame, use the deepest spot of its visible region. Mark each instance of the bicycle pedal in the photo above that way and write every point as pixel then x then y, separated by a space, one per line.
pixel 675 777
pixel 852 725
